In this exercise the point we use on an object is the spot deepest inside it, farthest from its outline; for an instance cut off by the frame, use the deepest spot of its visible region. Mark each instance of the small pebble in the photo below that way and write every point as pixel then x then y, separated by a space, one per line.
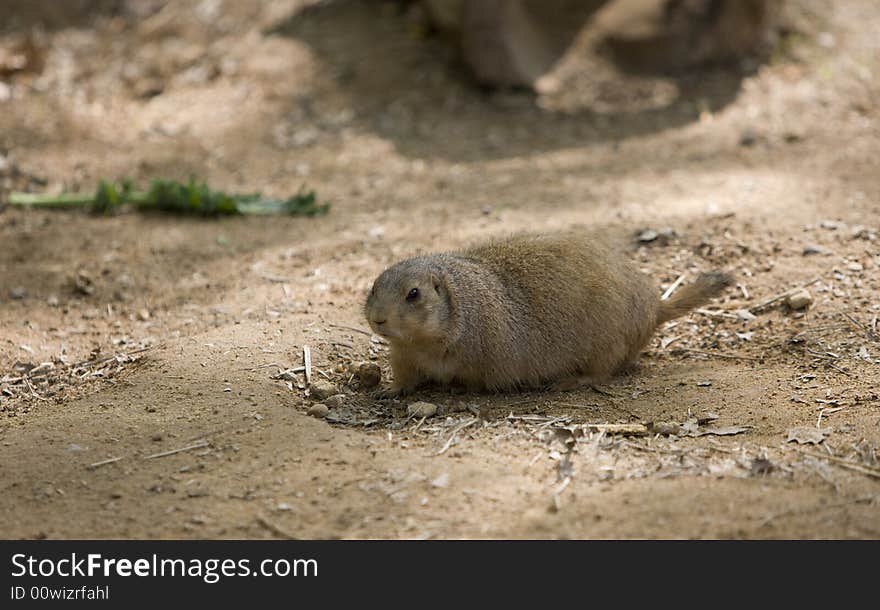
pixel 421 409
pixel 335 401
pixel 662 237
pixel 745 314
pixel 320 389
pixel 369 374
pixel 799 300
pixel 156 437
pixel 748 137
pixel 18 293
pixel 647 235
pixel 318 410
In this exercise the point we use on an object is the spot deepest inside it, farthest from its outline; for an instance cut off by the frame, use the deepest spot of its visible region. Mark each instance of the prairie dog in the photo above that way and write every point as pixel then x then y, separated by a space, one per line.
pixel 524 311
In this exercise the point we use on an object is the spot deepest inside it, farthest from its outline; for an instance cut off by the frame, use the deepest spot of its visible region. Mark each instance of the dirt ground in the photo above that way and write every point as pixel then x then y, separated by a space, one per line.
pixel 178 332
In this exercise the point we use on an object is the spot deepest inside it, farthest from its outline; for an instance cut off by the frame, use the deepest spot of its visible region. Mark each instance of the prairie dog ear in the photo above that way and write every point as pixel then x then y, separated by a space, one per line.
pixel 437 283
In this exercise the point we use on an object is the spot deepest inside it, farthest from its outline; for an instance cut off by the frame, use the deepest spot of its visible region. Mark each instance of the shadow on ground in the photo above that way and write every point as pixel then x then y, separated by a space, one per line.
pixel 395 79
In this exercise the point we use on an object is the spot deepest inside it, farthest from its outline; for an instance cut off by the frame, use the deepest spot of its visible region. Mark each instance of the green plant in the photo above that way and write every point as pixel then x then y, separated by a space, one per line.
pixel 192 198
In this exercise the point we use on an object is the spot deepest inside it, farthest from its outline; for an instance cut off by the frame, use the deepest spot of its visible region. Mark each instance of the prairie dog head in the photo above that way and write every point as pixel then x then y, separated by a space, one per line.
pixel 409 303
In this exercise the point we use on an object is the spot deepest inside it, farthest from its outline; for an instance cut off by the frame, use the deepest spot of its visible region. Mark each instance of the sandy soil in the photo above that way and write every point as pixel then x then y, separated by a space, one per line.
pixel 770 172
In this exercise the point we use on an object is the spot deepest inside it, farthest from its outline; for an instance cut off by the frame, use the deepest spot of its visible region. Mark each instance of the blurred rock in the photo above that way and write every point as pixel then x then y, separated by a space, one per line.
pixel 336 401
pixel 318 410
pixel 660 35
pixel 513 43
pixel 510 43
pixel 369 375
pixel 799 300
pixel 320 389
pixel 421 409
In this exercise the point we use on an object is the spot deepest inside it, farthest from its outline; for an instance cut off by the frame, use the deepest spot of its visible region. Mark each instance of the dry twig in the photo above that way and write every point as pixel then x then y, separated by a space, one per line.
pixel 198 445
pixel 307 364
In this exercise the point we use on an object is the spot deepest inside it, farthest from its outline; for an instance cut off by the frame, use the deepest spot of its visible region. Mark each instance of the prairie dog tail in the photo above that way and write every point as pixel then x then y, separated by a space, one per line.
pixel 706 286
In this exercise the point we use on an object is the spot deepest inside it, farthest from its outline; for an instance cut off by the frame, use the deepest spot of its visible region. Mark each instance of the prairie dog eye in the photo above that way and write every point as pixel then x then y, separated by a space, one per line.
pixel 412 295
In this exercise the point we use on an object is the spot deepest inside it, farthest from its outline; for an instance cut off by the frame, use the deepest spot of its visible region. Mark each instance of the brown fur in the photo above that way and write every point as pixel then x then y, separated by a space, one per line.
pixel 521 312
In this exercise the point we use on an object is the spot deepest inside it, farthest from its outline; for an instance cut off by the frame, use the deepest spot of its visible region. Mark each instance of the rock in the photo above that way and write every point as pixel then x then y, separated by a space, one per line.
pixel 368 374
pixel 855 267
pixel 18 293
pixel 143 315
pixel 335 401
pixel 648 235
pixel 421 409
pixel 799 299
pixel 662 237
pixel 748 137
pixel 745 314
pixel 813 249
pixel 320 389
pixel 52 301
pixel 318 410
